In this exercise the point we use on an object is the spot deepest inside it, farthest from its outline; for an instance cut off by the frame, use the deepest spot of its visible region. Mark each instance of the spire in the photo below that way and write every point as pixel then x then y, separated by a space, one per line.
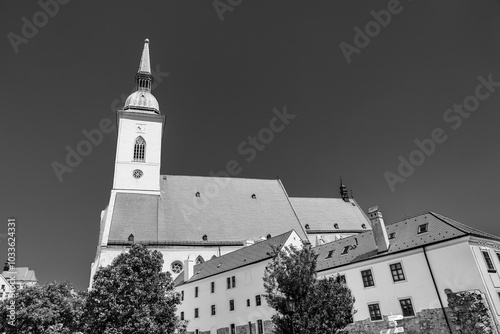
pixel 143 78
pixel 144 65
pixel 142 99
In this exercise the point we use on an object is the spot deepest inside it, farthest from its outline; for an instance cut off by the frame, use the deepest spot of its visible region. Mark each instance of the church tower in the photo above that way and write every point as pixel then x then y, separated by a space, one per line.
pixel 140 132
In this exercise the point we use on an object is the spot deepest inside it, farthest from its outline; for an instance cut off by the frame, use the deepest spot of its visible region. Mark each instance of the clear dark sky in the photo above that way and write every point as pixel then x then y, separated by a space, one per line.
pixel 353 119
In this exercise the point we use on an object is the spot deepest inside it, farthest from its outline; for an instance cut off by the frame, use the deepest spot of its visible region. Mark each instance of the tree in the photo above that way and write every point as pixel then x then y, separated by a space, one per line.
pixel 50 308
pixel 321 306
pixel 470 312
pixel 132 296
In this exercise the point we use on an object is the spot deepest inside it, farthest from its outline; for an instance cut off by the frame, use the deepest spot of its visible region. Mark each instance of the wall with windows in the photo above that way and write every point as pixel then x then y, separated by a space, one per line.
pixel 234 298
pixel 234 301
pixel 402 284
pixel 5 289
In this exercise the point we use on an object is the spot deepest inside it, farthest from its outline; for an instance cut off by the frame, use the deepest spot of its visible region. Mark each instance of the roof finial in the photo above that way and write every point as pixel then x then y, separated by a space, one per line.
pixel 144 65
pixel 343 191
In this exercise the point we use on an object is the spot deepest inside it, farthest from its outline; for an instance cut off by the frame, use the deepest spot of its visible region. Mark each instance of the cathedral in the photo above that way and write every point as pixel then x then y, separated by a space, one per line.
pixel 199 217
pixel 216 235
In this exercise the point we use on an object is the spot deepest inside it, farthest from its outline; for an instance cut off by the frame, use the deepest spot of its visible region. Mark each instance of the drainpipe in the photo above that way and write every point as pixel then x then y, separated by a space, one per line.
pixel 437 291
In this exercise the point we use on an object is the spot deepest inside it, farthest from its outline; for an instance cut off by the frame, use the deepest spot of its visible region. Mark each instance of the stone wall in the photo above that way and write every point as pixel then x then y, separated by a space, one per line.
pixel 429 321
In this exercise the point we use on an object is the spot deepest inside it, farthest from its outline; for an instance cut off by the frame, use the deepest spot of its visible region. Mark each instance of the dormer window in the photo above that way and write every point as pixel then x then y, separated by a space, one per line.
pixel 254 196
pixel 197 194
pixel 392 235
pixel 205 237
pixel 139 149
pixel 336 226
pixel 345 250
pixel 363 226
pixel 329 255
pixel 423 228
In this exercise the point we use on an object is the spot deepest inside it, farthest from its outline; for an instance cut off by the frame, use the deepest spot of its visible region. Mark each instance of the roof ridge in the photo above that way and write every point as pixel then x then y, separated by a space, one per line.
pixel 469 230
pixel 293 209
pixel 218 177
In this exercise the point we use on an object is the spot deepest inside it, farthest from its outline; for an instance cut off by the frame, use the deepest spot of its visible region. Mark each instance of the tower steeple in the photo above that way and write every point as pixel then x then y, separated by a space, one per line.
pixel 142 99
pixel 140 131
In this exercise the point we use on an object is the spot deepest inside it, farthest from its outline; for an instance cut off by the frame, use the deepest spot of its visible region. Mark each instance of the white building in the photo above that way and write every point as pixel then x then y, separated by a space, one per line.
pixel 226 293
pixel 16 278
pixel 200 217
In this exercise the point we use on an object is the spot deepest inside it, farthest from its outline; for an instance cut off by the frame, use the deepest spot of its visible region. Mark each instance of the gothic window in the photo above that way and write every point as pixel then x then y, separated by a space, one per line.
pixel 200 260
pixel 139 149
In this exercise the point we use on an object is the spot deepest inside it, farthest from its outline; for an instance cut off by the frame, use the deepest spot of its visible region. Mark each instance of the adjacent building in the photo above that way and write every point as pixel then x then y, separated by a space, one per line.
pixel 17 278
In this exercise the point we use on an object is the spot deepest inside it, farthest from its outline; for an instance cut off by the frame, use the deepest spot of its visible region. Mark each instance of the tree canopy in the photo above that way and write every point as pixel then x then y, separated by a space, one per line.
pixel 50 308
pixel 321 306
pixel 132 296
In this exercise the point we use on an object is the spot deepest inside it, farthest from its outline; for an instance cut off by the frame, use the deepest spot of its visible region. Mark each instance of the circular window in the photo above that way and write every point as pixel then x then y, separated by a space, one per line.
pixel 137 173
pixel 176 266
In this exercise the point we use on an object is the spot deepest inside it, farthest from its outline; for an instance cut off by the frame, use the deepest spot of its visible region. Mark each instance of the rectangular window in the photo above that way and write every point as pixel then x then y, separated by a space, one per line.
pixel 489 263
pixel 397 272
pixel 260 328
pixel 374 312
pixel 182 295
pixel 213 309
pixel 257 300
pixel 196 292
pixel 196 314
pixel 233 280
pixel 407 307
pixel 182 315
pixel 248 302
pixel 231 305
pixel 367 278
pixel 233 329
pixel 330 253
pixel 392 235
pixel 250 327
pixel 422 228
pixel 229 282
pixel 212 287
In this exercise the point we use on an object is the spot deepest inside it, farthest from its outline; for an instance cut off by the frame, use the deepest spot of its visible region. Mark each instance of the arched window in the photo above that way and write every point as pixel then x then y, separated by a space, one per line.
pixel 139 149
pixel 200 259
pixel 131 238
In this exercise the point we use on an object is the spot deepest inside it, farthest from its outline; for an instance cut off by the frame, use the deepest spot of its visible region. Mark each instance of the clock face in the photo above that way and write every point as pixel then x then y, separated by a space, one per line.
pixel 137 173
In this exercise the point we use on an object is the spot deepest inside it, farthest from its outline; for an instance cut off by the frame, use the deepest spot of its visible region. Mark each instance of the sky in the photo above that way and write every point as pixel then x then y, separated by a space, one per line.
pixel 405 109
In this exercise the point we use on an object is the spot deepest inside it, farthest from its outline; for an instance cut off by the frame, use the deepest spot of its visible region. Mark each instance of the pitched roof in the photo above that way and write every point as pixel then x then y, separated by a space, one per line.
pixel 321 214
pixel 238 258
pixel 21 274
pixel 362 246
pixel 224 211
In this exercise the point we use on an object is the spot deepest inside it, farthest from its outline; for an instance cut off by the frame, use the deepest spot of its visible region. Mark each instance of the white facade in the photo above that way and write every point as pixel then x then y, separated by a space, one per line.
pixel 244 295
pixel 5 288
pixel 456 264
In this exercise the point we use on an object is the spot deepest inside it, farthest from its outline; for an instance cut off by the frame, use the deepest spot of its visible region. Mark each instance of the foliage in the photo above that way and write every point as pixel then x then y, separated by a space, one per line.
pixel 132 296
pixel 470 312
pixel 53 308
pixel 321 306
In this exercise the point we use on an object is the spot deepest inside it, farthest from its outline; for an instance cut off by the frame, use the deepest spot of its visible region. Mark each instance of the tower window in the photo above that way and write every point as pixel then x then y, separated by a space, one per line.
pixel 139 149
pixel 131 238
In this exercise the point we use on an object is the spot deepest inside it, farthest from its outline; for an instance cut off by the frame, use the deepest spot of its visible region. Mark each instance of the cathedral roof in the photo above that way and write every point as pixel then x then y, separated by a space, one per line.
pixel 191 207
pixel 321 214
pixel 362 246
pixel 21 274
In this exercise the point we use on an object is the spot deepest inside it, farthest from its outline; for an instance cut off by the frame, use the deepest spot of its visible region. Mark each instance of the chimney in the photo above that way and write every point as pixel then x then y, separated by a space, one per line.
pixel 188 269
pixel 378 228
